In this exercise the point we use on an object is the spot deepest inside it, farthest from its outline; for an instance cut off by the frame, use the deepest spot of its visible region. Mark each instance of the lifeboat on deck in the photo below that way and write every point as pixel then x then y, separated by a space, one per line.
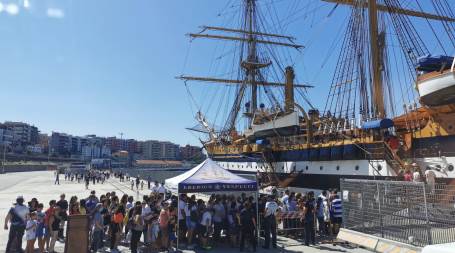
pixel 436 80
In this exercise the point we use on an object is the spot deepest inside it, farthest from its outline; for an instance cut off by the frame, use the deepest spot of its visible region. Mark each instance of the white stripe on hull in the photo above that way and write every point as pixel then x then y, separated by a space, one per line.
pixel 441 166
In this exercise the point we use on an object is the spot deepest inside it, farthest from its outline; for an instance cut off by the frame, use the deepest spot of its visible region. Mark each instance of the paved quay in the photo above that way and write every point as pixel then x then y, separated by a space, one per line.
pixel 41 186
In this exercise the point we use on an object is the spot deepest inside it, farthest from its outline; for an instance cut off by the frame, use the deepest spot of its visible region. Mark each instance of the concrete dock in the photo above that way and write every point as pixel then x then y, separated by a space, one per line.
pixel 41 186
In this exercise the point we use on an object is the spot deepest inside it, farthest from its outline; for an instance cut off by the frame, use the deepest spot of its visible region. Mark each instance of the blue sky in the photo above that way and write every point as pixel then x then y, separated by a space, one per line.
pixel 108 66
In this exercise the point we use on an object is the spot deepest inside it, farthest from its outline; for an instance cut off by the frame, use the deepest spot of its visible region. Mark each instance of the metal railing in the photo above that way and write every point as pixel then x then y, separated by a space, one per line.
pixel 408 212
pixel 287 222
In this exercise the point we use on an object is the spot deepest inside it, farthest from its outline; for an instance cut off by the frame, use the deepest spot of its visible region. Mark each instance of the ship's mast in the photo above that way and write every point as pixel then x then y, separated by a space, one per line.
pixel 250 37
pixel 378 98
pixel 377 46
pixel 251 70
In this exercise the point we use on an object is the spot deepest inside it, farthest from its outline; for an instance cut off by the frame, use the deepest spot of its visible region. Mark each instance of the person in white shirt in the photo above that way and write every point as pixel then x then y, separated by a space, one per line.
pixel 145 215
pixel 30 233
pixel 181 215
pixel 416 174
pixel 285 199
pixel 17 216
pixel 321 213
pixel 430 177
pixel 218 219
pixel 155 187
pixel 206 225
pixel 271 208
pixel 161 189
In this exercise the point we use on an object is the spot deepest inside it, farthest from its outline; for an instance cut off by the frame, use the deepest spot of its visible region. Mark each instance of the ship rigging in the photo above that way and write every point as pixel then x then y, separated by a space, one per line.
pixel 361 121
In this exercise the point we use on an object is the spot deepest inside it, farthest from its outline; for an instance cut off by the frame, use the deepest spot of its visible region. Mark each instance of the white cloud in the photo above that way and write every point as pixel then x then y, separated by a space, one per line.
pixel 2 7
pixel 12 9
pixel 26 4
pixel 55 13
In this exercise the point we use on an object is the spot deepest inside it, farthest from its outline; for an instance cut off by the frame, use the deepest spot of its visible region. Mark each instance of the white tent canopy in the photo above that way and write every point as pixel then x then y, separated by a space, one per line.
pixel 209 177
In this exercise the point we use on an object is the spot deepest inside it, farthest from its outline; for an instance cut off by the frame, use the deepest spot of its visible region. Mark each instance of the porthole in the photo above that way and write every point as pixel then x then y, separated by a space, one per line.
pixel 306 167
pixel 338 167
pixel 379 167
pixel 357 167
pixel 450 167
pixel 321 167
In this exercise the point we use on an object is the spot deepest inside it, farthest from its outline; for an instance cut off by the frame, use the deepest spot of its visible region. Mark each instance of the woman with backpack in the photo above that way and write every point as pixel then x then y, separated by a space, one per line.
pixel 116 226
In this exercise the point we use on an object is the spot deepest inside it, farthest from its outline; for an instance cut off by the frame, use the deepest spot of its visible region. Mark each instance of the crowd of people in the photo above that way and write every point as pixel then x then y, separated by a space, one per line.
pixel 322 214
pixel 156 220
pixel 93 176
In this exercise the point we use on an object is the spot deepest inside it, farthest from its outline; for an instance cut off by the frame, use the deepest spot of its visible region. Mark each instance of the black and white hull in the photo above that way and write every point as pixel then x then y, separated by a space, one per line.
pixel 327 174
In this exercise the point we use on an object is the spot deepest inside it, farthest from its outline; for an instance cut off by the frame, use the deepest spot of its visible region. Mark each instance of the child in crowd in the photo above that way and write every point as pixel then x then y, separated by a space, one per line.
pixel 40 215
pixel 171 229
pixel 31 233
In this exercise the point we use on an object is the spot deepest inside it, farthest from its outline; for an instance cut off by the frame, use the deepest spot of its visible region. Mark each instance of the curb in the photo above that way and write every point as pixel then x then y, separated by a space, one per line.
pixel 375 243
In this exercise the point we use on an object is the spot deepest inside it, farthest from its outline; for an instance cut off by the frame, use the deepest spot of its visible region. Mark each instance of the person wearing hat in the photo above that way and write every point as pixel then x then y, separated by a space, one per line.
pixel 97 230
pixel 17 217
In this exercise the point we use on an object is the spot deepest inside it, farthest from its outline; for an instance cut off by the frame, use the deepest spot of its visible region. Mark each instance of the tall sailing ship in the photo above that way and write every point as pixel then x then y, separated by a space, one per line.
pixel 361 132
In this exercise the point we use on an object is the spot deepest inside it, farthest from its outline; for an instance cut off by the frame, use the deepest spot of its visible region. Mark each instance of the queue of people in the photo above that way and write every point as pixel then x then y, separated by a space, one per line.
pixel 156 220
pixel 43 227
pixel 311 214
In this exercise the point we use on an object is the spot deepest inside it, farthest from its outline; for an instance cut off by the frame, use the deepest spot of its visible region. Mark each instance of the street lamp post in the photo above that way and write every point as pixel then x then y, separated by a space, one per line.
pixel 4 156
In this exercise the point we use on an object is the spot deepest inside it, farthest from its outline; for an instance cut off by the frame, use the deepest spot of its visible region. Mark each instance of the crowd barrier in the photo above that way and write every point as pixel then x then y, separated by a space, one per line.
pixel 406 212
pixel 286 221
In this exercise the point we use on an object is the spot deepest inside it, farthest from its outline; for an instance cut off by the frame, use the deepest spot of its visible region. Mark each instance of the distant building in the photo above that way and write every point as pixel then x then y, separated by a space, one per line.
pixel 34 149
pixel 43 141
pixel 191 153
pixel 120 159
pixel 23 134
pixel 91 152
pixel 157 164
pixel 113 143
pixel 100 163
pixel 6 135
pixel 94 147
pixel 151 150
pixel 169 151
pixel 130 145
pixel 160 150
pixel 60 144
